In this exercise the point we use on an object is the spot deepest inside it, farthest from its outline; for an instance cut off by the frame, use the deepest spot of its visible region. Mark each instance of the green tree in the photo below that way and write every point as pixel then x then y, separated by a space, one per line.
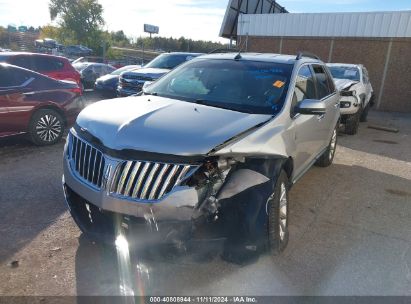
pixel 81 20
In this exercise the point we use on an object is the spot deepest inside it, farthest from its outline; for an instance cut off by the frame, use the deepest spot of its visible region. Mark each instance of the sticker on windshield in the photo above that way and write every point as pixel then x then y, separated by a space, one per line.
pixel 279 84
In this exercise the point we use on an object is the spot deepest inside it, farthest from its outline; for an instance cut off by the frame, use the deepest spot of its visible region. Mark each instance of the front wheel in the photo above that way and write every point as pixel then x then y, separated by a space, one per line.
pixel 327 158
pixel 46 127
pixel 352 123
pixel 278 210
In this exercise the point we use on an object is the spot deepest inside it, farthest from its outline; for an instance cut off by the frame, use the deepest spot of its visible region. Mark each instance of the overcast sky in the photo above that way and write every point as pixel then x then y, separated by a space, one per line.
pixel 197 19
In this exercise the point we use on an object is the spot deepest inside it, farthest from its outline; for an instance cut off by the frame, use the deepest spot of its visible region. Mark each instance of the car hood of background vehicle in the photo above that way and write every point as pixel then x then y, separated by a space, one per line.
pixel 107 79
pixel 162 125
pixel 147 72
pixel 342 84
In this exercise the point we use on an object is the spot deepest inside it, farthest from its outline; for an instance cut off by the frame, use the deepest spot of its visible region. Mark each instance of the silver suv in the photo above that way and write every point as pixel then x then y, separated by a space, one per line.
pixel 217 143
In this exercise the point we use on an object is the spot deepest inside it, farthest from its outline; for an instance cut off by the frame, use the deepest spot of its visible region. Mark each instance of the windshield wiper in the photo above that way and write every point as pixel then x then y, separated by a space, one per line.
pixel 214 105
pixel 149 93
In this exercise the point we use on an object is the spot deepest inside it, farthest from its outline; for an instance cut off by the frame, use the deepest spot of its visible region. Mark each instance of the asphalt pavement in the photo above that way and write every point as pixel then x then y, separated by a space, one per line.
pixel 350 231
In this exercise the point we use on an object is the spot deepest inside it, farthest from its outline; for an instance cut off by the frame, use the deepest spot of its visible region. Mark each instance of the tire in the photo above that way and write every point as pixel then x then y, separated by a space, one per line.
pixel 278 211
pixel 364 114
pixel 352 123
pixel 327 158
pixel 46 127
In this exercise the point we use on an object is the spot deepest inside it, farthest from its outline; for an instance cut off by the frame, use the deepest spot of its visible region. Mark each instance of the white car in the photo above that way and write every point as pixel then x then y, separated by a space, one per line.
pixel 357 94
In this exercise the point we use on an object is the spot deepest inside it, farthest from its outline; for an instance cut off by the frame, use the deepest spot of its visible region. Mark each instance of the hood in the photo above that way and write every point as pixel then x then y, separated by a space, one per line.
pixel 108 79
pixel 343 84
pixel 146 72
pixel 162 125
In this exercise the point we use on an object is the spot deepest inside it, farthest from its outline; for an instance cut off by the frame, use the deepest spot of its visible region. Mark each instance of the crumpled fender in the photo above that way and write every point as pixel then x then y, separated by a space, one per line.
pixel 240 181
pixel 255 182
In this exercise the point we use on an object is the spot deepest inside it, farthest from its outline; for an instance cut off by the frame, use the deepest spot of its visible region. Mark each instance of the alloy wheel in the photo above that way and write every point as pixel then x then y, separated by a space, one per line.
pixel 48 128
pixel 283 212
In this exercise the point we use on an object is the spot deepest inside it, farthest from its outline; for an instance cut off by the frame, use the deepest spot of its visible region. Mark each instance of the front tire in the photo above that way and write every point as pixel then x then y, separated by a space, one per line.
pixel 278 210
pixel 352 123
pixel 46 127
pixel 327 157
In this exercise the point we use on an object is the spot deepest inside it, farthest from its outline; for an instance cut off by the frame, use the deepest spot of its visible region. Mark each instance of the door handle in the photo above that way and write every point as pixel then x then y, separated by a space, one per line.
pixel 29 94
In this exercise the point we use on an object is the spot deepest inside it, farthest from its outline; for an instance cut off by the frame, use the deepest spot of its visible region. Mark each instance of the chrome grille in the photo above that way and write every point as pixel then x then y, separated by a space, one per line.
pixel 137 77
pixel 148 180
pixel 87 161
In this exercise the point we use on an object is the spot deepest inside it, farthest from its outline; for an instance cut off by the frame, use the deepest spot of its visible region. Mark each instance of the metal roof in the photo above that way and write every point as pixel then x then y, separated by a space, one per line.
pixel 240 7
pixel 370 24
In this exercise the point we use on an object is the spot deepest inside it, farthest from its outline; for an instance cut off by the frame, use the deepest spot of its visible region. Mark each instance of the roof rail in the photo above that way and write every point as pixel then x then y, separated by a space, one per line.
pixel 224 51
pixel 307 54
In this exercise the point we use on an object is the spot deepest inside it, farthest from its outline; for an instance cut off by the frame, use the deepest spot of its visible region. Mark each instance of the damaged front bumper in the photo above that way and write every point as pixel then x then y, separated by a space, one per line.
pixel 100 207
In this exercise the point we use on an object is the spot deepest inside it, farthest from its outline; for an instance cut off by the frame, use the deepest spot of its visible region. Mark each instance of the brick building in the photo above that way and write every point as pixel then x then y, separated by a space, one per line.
pixel 379 40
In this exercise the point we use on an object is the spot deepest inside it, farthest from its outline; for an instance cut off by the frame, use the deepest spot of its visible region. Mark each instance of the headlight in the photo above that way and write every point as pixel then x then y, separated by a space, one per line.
pixel 348 93
pixel 211 169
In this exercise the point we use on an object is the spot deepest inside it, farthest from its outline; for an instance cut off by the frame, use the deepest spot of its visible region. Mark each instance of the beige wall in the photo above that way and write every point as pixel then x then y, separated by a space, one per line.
pixel 378 55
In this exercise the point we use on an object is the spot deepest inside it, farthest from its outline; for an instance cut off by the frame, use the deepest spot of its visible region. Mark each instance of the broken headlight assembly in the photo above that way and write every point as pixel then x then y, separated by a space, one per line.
pixel 212 170
pixel 348 93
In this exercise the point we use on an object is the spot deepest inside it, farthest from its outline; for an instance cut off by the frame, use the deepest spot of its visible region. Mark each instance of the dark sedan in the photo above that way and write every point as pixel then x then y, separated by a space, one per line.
pixel 132 82
pixel 36 104
pixel 106 86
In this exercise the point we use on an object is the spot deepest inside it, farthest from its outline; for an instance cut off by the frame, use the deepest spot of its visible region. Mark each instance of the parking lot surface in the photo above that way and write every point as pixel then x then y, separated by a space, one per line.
pixel 350 231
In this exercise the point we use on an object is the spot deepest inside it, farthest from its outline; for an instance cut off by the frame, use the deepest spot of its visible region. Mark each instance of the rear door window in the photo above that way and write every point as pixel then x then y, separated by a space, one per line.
pixel 48 64
pixel 22 61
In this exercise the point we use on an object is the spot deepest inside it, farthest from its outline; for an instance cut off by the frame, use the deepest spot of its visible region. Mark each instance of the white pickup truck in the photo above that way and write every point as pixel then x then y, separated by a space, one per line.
pixel 357 95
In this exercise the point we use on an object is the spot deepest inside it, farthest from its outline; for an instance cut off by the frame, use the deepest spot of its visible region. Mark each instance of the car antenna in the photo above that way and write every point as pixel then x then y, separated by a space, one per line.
pixel 238 56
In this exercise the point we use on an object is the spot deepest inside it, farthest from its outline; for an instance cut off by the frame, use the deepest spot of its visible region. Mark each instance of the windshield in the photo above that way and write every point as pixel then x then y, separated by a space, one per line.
pixel 245 86
pixel 341 72
pixel 168 61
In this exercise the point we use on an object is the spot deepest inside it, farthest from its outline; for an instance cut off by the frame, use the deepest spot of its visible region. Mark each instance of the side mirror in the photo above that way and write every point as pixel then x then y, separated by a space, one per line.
pixel 310 107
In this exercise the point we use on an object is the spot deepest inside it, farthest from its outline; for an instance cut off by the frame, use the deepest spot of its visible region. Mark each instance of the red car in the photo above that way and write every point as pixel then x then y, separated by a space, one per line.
pixel 53 66
pixel 36 104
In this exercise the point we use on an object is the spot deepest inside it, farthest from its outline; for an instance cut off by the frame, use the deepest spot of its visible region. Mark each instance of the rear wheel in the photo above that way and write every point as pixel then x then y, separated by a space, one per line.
pixel 46 127
pixel 328 156
pixel 278 210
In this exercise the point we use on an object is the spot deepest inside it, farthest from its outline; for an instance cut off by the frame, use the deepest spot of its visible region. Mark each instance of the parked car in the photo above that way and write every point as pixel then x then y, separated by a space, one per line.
pixel 357 94
pixel 216 143
pixel 132 82
pixel 53 66
pixel 36 104
pixel 107 85
pixel 78 50
pixel 90 71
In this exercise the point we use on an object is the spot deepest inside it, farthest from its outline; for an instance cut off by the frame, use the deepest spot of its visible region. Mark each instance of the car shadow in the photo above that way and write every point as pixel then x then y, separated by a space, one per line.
pixel 338 234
